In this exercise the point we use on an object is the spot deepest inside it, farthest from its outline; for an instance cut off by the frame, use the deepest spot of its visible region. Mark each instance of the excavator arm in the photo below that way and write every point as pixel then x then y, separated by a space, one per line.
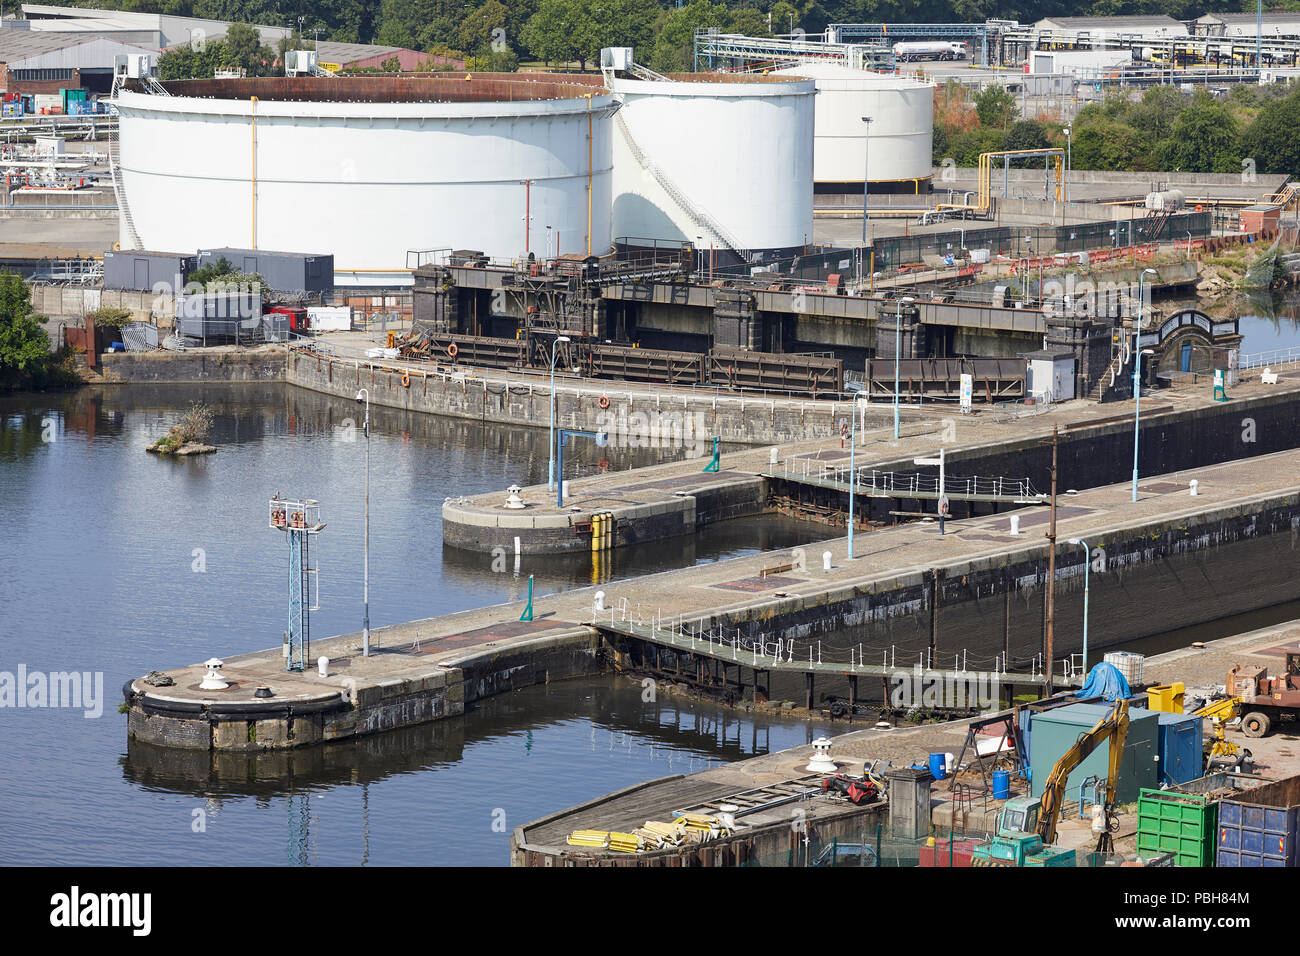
pixel 1113 727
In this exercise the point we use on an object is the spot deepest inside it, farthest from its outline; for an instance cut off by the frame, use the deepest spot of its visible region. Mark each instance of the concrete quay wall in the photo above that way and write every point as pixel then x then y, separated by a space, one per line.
pixel 653 412
pixel 481 530
pixel 1146 579
pixel 156 718
pixel 244 365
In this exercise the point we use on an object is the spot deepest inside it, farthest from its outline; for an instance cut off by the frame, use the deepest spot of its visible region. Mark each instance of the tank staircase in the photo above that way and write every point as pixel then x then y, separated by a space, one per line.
pixel 119 190
pixel 698 214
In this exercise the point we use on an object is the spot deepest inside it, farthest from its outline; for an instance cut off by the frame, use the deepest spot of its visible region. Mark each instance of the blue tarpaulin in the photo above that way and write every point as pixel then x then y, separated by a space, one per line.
pixel 1105 681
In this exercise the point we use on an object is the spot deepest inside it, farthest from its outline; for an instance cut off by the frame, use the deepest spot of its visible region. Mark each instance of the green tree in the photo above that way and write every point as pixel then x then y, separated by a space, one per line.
pixel 1271 139
pixel 1203 138
pixel 996 106
pixel 560 31
pixel 674 47
pixel 1107 144
pixel 25 359
pixel 482 27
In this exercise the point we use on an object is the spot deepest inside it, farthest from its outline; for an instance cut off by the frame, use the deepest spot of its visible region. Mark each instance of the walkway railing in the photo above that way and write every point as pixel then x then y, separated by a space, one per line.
pixel 871 481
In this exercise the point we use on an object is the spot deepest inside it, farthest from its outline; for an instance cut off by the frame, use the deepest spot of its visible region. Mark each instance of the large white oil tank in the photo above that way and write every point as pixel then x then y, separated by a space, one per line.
pixel 369 168
pixel 715 159
pixel 901 129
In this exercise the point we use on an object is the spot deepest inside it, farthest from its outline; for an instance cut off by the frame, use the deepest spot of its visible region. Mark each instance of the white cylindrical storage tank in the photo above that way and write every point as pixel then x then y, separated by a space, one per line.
pixel 901 129
pixel 367 168
pixel 723 160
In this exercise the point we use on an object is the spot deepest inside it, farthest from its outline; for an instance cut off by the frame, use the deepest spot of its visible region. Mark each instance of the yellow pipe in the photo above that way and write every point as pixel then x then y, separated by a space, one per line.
pixel 252 176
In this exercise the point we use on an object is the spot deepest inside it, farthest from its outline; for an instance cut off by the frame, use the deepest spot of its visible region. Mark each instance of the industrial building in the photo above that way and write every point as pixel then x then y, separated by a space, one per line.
pixel 370 168
pixel 1147 26
pixel 718 160
pixel 44 63
pixel 894 148
pixel 1280 23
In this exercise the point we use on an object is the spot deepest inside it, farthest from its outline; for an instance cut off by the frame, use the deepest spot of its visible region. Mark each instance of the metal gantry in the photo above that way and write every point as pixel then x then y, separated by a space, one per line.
pixel 299 519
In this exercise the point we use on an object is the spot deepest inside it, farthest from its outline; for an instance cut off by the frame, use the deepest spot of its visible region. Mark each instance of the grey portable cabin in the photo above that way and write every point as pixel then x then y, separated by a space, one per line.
pixel 144 271
pixel 283 271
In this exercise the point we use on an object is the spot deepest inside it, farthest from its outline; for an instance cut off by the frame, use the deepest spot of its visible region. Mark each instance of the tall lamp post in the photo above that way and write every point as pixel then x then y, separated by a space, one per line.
pixel 1068 157
pixel 853 474
pixel 1137 404
pixel 898 354
pixel 1087 563
pixel 1137 369
pixel 364 395
pixel 866 177
pixel 550 471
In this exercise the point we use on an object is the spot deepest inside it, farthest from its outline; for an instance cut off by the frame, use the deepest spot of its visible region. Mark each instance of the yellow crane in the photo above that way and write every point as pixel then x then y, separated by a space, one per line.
pixel 1220 712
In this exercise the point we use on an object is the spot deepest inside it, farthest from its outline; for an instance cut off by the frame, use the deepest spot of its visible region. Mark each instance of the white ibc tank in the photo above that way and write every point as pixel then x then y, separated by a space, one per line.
pixel 902 126
pixel 368 169
pixel 725 158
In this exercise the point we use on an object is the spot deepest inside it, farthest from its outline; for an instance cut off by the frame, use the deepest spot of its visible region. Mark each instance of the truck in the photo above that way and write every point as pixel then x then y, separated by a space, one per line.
pixel 929 50
pixel 1266 701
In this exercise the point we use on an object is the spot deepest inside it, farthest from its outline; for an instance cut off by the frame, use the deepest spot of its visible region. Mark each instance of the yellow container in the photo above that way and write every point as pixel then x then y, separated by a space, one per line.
pixel 1166 697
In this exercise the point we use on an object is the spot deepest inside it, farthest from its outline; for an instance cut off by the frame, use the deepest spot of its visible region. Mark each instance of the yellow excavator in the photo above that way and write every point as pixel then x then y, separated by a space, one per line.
pixel 1027 826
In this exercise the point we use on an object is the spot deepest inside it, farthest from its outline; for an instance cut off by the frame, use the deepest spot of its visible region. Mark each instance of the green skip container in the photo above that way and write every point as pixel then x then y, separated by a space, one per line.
pixel 1184 820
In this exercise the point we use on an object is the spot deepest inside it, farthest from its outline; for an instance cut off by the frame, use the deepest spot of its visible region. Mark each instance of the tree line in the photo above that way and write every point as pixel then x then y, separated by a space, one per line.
pixel 1250 129
pixel 499 34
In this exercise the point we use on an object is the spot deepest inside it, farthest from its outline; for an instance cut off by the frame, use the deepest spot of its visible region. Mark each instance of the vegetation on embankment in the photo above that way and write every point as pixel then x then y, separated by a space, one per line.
pixel 26 362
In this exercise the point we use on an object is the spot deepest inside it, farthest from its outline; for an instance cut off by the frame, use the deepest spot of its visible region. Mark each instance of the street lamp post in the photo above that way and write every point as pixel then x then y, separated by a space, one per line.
pixel 364 394
pixel 1068 158
pixel 1137 367
pixel 898 354
pixel 550 471
pixel 1087 562
pixel 866 177
pixel 853 474
pixel 1137 404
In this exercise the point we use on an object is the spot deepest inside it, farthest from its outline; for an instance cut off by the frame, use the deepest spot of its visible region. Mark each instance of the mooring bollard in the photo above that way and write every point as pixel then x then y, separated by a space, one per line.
pixel 1193 486
pixel 323 666
pixel 1015 525
pixel 826 560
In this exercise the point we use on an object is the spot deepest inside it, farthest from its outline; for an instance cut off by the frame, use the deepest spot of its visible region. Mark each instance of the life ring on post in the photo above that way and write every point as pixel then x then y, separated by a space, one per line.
pixel 406 379
pixel 603 401
pixel 452 350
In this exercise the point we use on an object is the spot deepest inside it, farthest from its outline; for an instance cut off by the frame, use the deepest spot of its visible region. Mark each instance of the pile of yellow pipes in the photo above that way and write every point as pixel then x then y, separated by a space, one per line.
pixel 606 840
pixel 687 828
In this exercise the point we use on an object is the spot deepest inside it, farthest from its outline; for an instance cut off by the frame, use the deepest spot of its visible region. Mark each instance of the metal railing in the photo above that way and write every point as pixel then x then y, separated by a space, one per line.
pixel 1275 358
pixel 910 484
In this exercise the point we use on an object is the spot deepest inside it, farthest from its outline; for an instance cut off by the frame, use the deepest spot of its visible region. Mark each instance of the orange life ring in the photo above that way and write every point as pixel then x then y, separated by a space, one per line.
pixel 406 379
pixel 452 350
pixel 603 401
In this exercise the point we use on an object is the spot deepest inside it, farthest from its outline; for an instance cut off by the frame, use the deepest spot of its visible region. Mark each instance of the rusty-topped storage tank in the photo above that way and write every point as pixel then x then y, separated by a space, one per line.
pixel 368 168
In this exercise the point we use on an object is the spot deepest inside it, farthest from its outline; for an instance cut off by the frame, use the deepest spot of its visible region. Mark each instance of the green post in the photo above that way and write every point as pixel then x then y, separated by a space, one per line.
pixel 716 461
pixel 528 611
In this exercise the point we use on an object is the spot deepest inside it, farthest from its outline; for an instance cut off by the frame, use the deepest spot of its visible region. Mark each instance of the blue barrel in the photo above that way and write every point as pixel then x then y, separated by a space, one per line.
pixel 936 766
pixel 1001 784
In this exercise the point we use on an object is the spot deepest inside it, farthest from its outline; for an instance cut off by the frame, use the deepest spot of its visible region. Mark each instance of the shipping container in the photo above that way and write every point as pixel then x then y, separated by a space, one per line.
pixel 331 318
pixel 1055 732
pixel 1258 828
pixel 144 271
pixel 283 271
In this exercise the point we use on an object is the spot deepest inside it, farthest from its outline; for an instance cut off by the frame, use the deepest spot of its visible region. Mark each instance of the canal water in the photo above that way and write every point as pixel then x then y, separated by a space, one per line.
pixel 117 562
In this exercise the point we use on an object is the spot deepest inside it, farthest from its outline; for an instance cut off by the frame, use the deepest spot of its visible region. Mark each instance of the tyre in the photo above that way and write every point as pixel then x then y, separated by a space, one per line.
pixel 839 709
pixel 1256 724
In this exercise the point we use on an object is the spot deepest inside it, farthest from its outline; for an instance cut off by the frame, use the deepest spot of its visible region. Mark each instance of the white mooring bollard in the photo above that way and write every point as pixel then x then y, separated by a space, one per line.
pixel 826 560
pixel 1194 485
pixel 323 666
pixel 1015 525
